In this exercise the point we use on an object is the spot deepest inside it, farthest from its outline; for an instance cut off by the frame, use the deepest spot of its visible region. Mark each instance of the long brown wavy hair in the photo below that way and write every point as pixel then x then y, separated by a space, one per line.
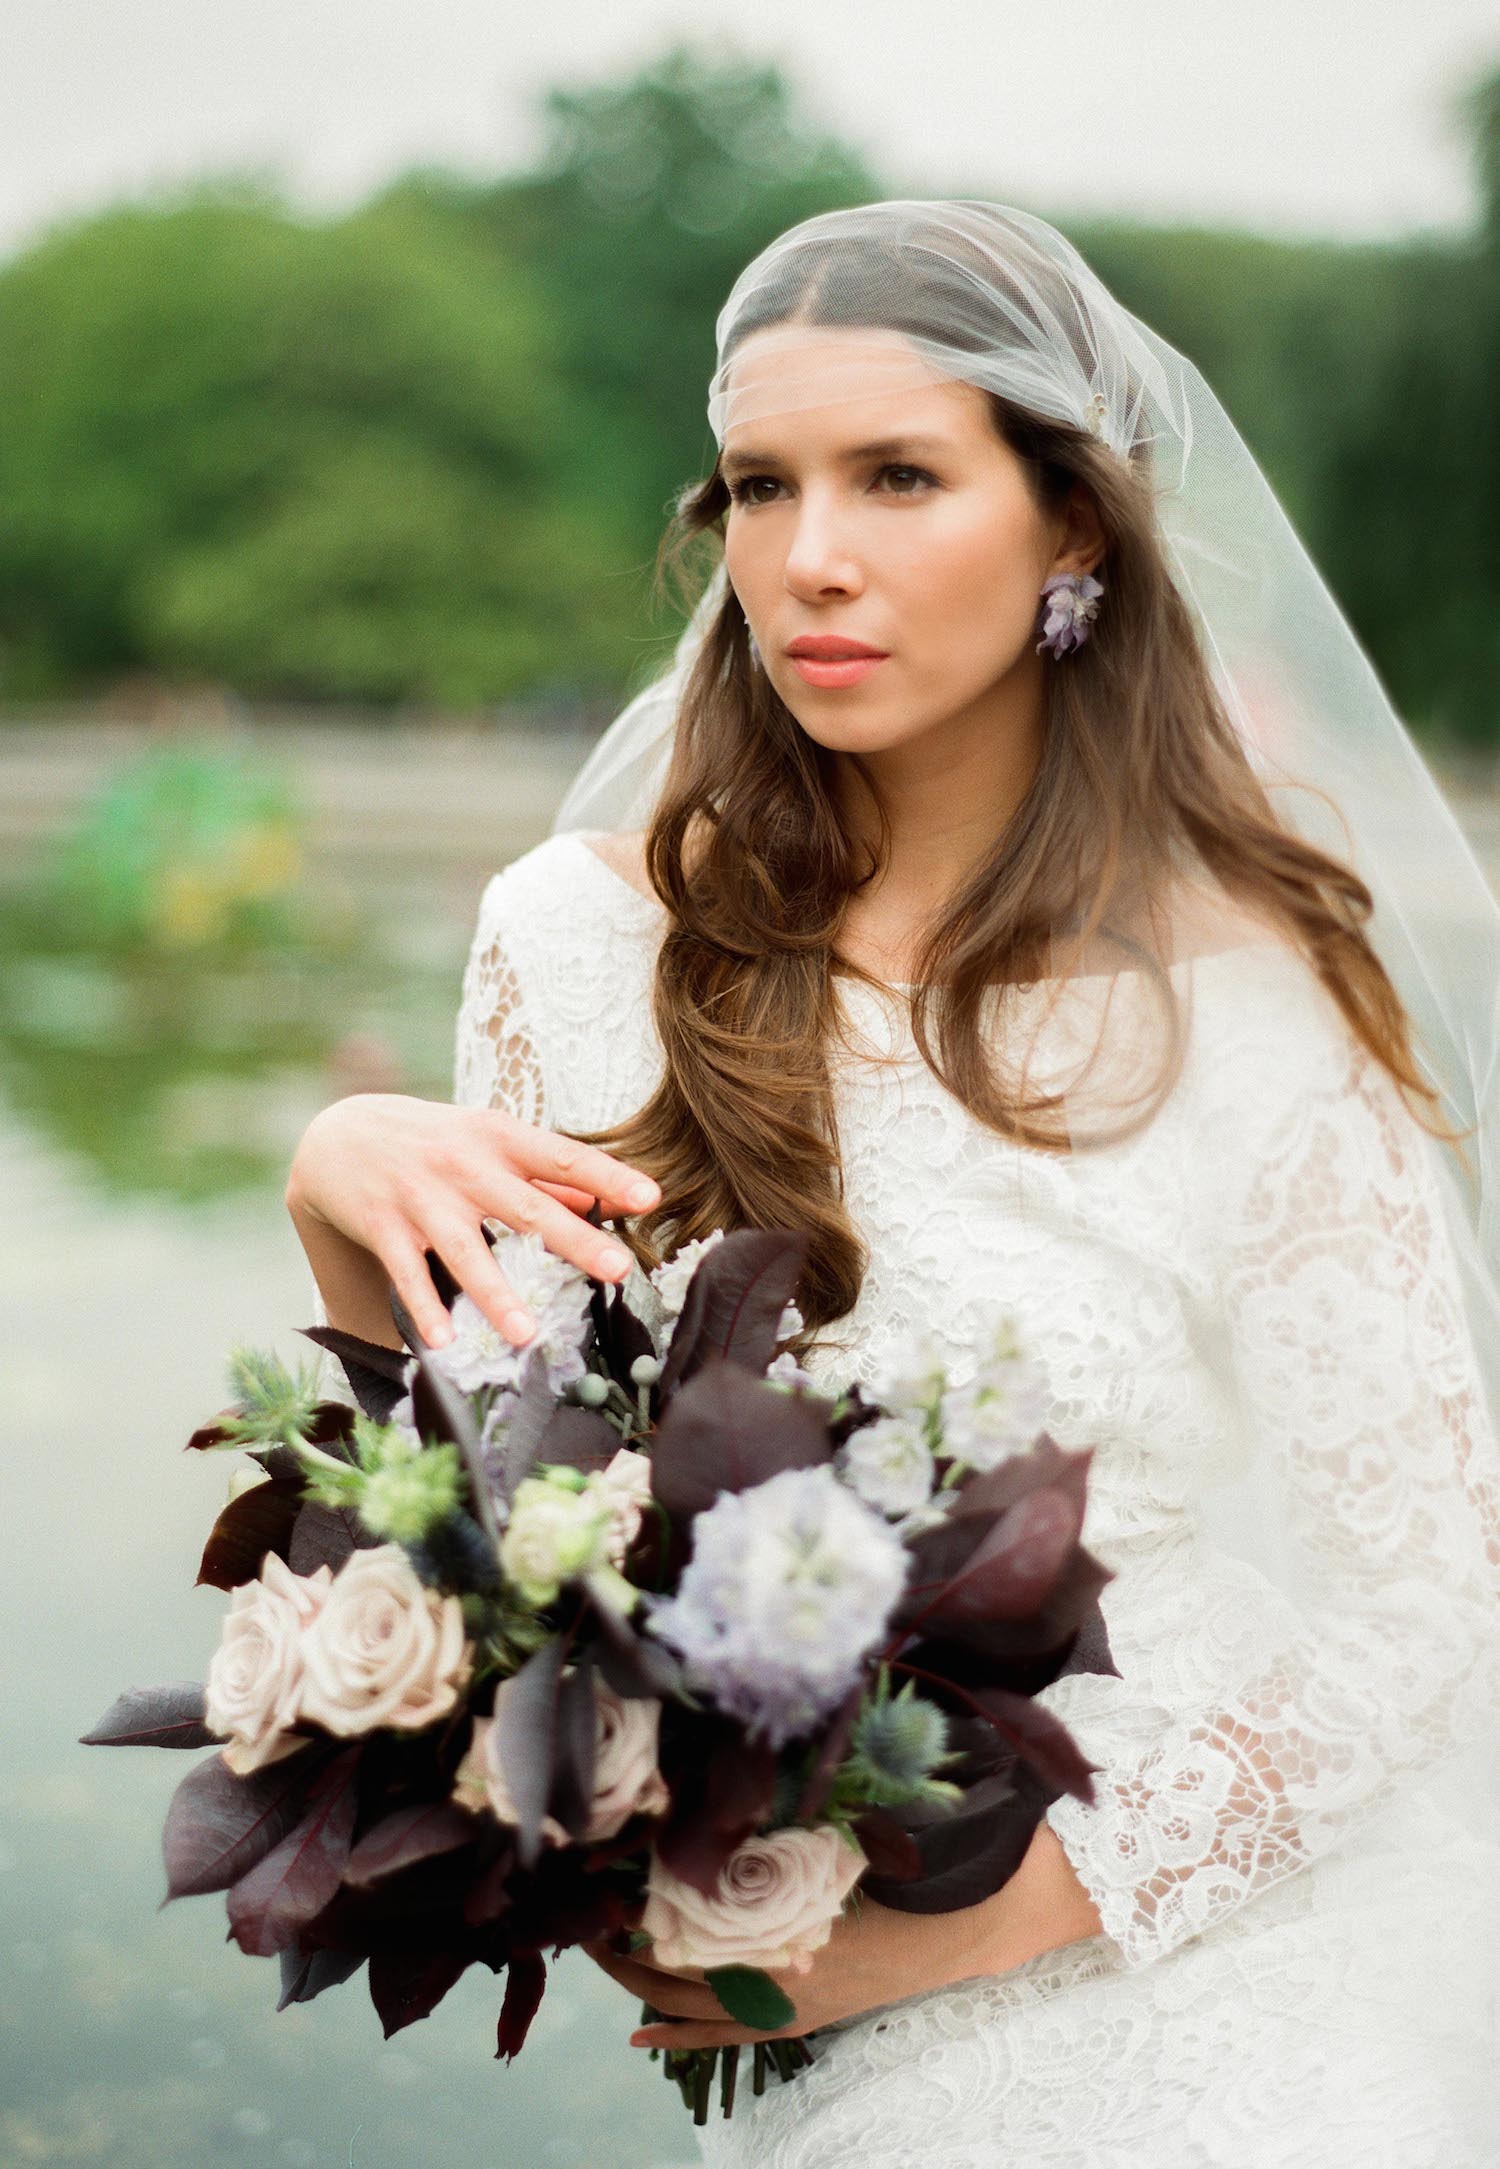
pixel 1142 776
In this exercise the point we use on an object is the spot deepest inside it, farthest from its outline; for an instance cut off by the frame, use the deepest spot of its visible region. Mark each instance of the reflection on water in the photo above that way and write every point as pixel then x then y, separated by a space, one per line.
pixel 149 1113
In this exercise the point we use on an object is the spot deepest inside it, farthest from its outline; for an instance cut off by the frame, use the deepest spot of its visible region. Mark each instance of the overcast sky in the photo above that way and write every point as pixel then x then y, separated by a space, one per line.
pixel 1305 116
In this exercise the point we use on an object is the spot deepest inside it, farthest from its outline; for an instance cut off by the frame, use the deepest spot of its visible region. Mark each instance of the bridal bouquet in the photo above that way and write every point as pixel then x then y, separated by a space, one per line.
pixel 630 1634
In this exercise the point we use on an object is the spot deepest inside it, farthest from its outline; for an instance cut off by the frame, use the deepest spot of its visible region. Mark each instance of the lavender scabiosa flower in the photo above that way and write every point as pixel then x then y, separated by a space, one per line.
pixel 790 1585
pixel 553 1289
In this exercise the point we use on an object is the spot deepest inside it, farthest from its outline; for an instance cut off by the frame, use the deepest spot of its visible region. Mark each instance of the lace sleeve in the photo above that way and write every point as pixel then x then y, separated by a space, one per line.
pixel 1348 1351
pixel 495 1058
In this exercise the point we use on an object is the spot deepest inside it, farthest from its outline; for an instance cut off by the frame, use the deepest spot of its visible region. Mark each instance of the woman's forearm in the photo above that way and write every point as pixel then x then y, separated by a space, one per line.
pixel 353 1283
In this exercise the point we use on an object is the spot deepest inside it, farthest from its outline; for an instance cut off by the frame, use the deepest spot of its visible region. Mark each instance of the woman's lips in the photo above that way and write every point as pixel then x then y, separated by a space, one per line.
pixel 847 671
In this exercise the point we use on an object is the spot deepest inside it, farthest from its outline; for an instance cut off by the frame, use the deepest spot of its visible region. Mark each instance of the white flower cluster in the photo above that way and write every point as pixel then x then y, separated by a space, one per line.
pixel 999 1412
pixel 556 1293
pixel 891 1462
pixel 790 1585
pixel 565 1526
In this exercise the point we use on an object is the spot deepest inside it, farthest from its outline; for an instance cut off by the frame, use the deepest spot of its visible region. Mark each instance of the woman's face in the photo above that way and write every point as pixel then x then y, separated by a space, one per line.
pixel 897 519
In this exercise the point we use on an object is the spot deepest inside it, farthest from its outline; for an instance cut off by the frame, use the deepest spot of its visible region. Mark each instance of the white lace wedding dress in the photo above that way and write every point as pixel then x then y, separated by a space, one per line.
pixel 1298 1964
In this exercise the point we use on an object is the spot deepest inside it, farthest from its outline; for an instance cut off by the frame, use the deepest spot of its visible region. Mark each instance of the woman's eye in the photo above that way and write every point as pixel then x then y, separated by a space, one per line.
pixel 741 490
pixel 920 472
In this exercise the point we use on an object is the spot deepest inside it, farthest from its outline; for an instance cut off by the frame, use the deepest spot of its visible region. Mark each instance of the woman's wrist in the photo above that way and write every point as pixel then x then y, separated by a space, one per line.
pixel 1042 1907
pixel 352 1281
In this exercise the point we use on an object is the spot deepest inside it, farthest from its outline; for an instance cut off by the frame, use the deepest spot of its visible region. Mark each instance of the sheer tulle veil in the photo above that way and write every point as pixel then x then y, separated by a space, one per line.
pixel 1024 315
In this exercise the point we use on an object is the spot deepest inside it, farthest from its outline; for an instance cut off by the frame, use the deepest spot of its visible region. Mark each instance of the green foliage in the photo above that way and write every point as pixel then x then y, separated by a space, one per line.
pixel 312 460
pixel 187 846
pixel 399 1487
pixel 274 1407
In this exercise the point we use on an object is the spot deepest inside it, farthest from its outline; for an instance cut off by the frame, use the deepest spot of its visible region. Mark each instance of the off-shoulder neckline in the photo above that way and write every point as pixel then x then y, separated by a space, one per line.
pixel 652 906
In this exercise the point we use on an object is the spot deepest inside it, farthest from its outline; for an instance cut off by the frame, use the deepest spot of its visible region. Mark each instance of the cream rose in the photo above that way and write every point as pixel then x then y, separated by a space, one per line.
pixel 382 1649
pixel 255 1676
pixel 627 1485
pixel 626 1779
pixel 776 1902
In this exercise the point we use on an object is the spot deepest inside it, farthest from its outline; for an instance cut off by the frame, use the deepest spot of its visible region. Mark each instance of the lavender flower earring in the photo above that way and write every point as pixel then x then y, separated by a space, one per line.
pixel 1072 600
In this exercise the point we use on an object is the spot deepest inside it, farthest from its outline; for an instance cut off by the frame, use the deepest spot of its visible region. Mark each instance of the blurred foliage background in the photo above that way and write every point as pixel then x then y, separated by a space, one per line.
pixel 423 453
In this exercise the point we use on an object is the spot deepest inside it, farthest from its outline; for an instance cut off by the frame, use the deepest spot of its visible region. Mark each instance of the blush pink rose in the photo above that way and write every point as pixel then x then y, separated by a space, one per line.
pixel 626 1779
pixel 776 1902
pixel 383 1649
pixel 255 1677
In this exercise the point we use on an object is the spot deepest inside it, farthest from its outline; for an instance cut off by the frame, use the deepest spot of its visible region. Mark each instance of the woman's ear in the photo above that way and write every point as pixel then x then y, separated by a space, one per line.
pixel 1081 539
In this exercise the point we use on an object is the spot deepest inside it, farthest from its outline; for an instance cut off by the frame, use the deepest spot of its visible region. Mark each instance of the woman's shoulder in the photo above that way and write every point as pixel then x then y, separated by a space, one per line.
pixel 563 912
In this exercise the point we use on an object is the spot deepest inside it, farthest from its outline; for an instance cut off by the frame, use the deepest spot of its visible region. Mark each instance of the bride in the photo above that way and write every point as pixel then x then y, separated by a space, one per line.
pixel 1020 882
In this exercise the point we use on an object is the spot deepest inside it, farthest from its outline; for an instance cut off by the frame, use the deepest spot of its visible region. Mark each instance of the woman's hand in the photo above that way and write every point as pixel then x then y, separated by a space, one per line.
pixel 399 1176
pixel 876 1955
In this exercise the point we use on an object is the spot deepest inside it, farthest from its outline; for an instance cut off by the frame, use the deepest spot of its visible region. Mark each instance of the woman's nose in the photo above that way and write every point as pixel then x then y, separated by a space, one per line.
pixel 818 555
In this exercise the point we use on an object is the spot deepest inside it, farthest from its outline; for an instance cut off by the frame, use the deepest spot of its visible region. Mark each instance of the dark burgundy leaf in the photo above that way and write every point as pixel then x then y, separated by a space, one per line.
pixel 1010 1572
pixel 255 1522
pixel 447 1292
pixel 578 1438
pixel 891 1851
pixel 1037 1737
pixel 391 1363
pixel 982 1499
pixel 724 1431
pixel 406 1986
pixel 524 1427
pixel 830 1754
pixel 305 1974
pixel 525 1742
pixel 440 1411
pixel 154 1717
pixel 525 1978
pixel 411 1834
pixel 966 1852
pixel 734 1303
pixel 637 1666
pixel 219 1825
pixel 621 1333
pixel 215 1432
pixel 326 1536
pixel 488 1896
pixel 718 1797
pixel 376 1374
pixel 1073 1599
pixel 573 1775
pixel 296 1879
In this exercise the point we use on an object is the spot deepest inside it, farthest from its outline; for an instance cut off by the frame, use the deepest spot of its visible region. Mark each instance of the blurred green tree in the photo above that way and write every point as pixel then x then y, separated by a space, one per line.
pixel 649 196
pixel 314 460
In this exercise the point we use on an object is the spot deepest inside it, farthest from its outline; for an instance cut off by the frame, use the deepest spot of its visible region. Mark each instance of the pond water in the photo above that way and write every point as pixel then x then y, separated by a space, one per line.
pixel 145 1130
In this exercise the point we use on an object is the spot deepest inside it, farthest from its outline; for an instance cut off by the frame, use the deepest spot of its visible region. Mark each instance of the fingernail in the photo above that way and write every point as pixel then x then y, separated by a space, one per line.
pixel 517 1325
pixel 616 1261
pixel 442 1333
pixel 641 1193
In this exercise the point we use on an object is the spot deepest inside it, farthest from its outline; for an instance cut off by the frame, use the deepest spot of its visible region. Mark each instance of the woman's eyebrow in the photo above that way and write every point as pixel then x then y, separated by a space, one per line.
pixel 738 462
